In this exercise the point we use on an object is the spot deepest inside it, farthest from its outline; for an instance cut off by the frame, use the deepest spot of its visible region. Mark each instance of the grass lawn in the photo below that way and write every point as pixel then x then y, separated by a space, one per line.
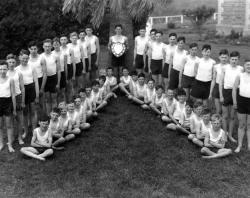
pixel 127 153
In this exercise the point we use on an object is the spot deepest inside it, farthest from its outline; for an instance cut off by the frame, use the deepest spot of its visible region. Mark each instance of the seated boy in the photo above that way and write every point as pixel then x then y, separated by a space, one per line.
pixel 139 91
pixel 168 106
pixel 195 120
pixel 125 81
pixel 216 139
pixel 150 94
pixel 90 103
pixel 111 82
pixel 156 104
pixel 74 119
pixel 205 126
pixel 41 141
pixel 179 109
pixel 79 108
pixel 97 97
pixel 132 84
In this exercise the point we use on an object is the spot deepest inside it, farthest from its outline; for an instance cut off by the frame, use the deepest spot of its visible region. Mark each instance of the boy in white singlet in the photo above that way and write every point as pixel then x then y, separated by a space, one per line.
pixel 156 58
pixel 168 106
pixel 150 94
pixel 176 63
pixel 7 106
pixel 41 141
pixel 226 84
pixel 86 54
pixel 53 67
pixel 94 50
pixel 186 76
pixel 111 82
pixel 178 109
pixel 205 126
pixel 74 119
pixel 216 139
pixel 156 104
pixel 203 76
pixel 19 93
pixel 63 63
pixel 139 60
pixel 132 84
pixel 125 81
pixel 78 60
pixel 169 49
pixel 97 96
pixel 140 90
pixel 195 120
pixel 214 90
pixel 36 62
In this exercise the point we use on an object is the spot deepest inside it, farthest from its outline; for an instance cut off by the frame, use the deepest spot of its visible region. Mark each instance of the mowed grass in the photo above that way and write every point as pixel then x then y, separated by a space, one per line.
pixel 127 153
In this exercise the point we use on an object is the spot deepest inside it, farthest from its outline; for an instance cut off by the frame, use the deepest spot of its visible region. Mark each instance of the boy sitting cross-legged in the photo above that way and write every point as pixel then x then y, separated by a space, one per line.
pixel 90 103
pixel 41 141
pixel 215 138
pixel 168 106
pixel 125 81
pixel 150 94
pixel 156 104
pixel 111 82
pixel 74 119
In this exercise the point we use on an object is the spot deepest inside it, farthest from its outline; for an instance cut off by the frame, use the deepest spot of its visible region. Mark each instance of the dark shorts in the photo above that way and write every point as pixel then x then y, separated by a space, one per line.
pixel 93 60
pixel 201 89
pixel 187 81
pixel 139 63
pixel 117 61
pixel 174 79
pixel 41 149
pixel 79 68
pixel 146 66
pixel 5 106
pixel 243 105
pixel 30 93
pixel 63 80
pixel 40 81
pixel 51 84
pixel 216 92
pixel 156 67
pixel 70 71
pixel 165 70
pixel 86 64
pixel 19 102
pixel 227 95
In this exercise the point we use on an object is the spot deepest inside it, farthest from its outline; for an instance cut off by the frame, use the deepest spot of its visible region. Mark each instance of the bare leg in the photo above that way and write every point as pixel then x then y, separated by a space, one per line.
pixel 75 131
pixel 241 130
pixel 69 90
pixel 221 153
pixel 10 134
pixel 85 126
pixel 1 133
pixel 136 100
pixel 165 83
pixel 198 142
pixel 33 113
pixel 31 152
pixel 46 153
pixel 48 101
pixel 155 77
pixel 231 124
pixel 58 142
pixel 183 130
pixel 172 126
pixel 165 118
pixel 19 127
pixel 69 137
pixel 217 105
pixel 25 121
pixel 225 116
pixel 102 105
pixel 154 108
pixel 191 136
pixel 248 132
pixel 207 151
pixel 187 90
pixel 160 81
pixel 123 89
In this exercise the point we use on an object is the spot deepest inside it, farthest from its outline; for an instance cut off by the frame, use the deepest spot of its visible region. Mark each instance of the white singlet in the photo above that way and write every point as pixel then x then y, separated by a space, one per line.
pixel 178 58
pixel 77 52
pixel 95 96
pixel 186 120
pixel 126 80
pixel 169 50
pixel 205 128
pixel 15 78
pixel 73 117
pixel 84 44
pixel 60 56
pixel 41 139
pixel 230 75
pixel 169 104
pixel 110 81
pixel 179 110
pixel 66 51
pixel 35 63
pixel 64 122
pixel 141 91
pixel 189 66
pixel 205 70
pixel 5 89
pixel 196 122
pixel 244 88
pixel 158 100
pixel 218 68
pixel 150 94
pixel 217 139
pixel 50 61
pixel 54 126
pixel 91 41
pixel 157 50
pixel 141 43
pixel 27 73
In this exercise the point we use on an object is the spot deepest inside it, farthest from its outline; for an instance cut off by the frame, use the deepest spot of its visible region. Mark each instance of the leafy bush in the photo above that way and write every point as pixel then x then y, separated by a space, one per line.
pixel 171 25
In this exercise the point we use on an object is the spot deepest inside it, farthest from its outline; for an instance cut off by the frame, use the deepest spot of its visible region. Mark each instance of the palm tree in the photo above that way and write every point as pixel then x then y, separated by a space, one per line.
pixel 125 12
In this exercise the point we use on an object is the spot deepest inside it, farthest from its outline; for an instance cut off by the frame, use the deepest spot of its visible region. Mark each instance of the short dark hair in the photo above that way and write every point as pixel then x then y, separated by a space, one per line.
pixel 73 34
pixel 206 111
pixel 43 117
pixel 81 90
pixel 118 25
pixel 206 47
pixel 159 32
pixel 88 27
pixel 133 73
pixel 159 87
pixel 181 38
pixel 24 51
pixel 76 96
pixel 56 110
pixel 223 52
pixel 235 54
pixel 10 56
pixel 82 31
pixel 181 92
pixel 110 68
pixel 153 30
pixel 3 62
pixel 141 75
pixel 189 103
pixel 193 45
pixel 32 44
pixel 95 82
pixel 124 68
pixel 47 41
pixel 151 79
pixel 102 77
pixel 142 28
pixel 172 34
pixel 198 104
pixel 56 39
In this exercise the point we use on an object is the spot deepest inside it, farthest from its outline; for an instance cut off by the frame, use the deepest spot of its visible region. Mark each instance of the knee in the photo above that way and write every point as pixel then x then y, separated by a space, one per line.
pixel 243 126
pixel 191 136
pixel 105 102
pixel 50 151
pixel 144 106
pixel 130 97
pixel 204 150
pixel 86 126
pixel 22 150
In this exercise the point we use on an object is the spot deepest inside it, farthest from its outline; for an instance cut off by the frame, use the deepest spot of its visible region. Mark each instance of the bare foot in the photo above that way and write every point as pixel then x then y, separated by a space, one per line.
pixel 237 150
pixel 41 158
pixel 232 139
pixel 206 157
pixel 20 141
pixel 10 148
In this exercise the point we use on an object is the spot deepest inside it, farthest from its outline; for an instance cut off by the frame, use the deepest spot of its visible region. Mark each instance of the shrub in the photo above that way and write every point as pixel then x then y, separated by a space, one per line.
pixel 171 25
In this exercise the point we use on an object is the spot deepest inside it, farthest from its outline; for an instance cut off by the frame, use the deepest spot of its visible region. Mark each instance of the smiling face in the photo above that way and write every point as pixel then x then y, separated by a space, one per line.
pixel 247 67
pixel 24 58
pixel 78 102
pixel 188 109
pixel 206 53
pixel 170 94
pixel 89 31
pixel 181 98
pixel 71 107
pixel 141 80
pixel 181 44
pixel 216 124
pixel 63 111
pixel 125 72
pixel 172 40
pixel 152 35
pixel 54 116
pixel 198 110
pixel 82 95
pixel 43 125
pixel 159 92
pixel 206 118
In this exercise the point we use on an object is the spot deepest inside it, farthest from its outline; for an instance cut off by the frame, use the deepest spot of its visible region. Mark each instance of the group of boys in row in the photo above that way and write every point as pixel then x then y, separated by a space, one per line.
pixel 39 78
